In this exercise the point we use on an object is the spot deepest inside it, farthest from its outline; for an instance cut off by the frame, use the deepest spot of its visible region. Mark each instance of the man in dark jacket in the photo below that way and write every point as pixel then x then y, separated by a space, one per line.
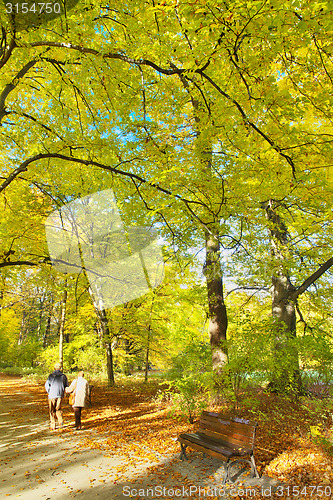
pixel 55 387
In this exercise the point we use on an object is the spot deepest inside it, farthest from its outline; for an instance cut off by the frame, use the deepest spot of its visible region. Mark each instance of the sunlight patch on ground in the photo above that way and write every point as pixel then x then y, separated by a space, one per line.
pixel 301 464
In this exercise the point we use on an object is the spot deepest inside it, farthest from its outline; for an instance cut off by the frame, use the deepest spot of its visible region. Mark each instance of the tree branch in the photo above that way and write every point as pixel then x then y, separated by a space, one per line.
pixel 248 121
pixel 311 279
pixel 8 263
pixel 7 52
pixel 170 71
pixel 11 86
pixel 242 288
pixel 109 55
pixel 24 167
pixel 30 117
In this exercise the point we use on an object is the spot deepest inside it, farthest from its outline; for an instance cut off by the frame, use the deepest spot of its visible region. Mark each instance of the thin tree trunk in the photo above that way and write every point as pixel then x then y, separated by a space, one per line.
pixel 147 355
pixel 1 301
pixel 128 365
pixel 23 327
pixel 107 343
pixel 98 330
pixel 109 363
pixel 47 330
pixel 40 319
pixel 105 334
pixel 62 324
pixel 48 323
pixel 148 337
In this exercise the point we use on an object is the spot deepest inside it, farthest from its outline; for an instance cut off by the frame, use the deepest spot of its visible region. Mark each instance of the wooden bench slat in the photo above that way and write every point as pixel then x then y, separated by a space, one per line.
pixel 204 450
pixel 205 446
pixel 222 425
pixel 225 431
pixel 235 420
pixel 222 447
pixel 234 439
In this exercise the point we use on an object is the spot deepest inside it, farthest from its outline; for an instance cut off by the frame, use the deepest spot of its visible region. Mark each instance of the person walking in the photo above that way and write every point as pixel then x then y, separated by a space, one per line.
pixel 55 386
pixel 80 388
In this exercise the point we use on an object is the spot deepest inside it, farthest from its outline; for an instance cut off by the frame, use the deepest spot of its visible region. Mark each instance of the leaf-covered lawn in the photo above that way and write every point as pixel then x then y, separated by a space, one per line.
pixel 127 421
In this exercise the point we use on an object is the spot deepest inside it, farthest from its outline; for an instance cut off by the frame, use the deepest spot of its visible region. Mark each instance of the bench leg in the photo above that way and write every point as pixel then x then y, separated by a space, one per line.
pixel 250 462
pixel 227 467
pixel 254 471
pixel 183 453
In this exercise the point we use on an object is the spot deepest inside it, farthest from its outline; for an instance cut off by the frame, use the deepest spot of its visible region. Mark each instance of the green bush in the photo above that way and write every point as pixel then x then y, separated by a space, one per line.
pixel 249 348
pixel 316 355
pixel 190 380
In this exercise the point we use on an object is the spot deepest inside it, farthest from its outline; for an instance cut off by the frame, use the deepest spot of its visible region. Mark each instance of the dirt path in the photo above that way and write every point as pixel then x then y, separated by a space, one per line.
pixel 38 464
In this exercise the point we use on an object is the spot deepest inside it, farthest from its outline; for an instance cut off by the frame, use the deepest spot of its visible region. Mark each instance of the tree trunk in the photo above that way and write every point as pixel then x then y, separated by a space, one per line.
pixel 48 322
pixel 283 309
pixel 286 376
pixel 98 303
pixel 40 319
pixel 128 365
pixel 218 321
pixel 1 301
pixel 107 343
pixel 23 328
pixel 105 334
pixel 147 355
pixel 47 330
pixel 217 312
pixel 148 338
pixel 109 362
pixel 98 330
pixel 62 325
pixel 286 373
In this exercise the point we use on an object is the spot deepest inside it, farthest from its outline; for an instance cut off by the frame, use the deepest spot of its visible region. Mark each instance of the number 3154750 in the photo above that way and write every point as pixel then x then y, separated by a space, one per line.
pixel 38 8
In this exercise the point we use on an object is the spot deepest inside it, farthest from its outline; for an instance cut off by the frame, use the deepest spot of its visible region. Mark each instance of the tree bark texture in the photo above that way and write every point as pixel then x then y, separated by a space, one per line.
pixel 217 312
pixel 47 330
pixel 148 338
pixel 23 327
pixel 218 321
pixel 286 372
pixel 98 303
pixel 106 335
pixel 1 301
pixel 62 325
pixel 283 308
pixel 104 324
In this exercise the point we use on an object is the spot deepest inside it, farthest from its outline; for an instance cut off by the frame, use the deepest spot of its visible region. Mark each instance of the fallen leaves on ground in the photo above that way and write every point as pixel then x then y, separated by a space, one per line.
pixel 126 421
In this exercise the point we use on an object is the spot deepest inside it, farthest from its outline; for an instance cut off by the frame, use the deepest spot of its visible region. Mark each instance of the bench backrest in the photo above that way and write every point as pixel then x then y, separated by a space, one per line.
pixel 237 431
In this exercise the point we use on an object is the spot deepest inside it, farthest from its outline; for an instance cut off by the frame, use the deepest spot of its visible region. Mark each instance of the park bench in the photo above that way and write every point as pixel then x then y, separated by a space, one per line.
pixel 225 438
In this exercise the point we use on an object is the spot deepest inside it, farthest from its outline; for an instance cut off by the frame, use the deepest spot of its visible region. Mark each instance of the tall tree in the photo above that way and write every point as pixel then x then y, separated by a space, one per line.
pixel 285 299
pixel 112 98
